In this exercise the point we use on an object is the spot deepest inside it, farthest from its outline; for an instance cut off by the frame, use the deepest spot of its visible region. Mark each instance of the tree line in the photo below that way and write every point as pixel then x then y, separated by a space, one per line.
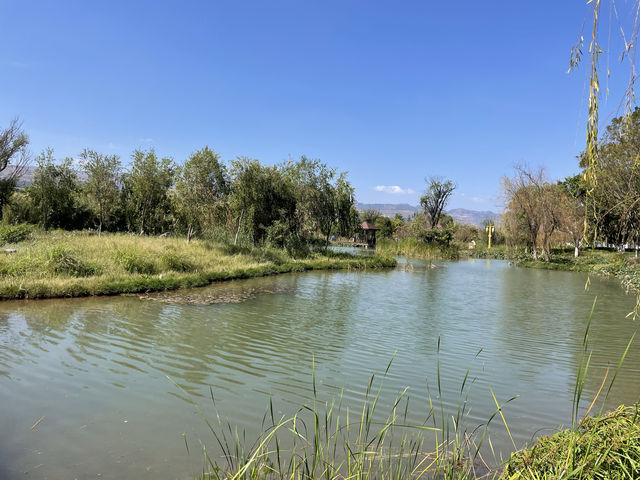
pixel 603 211
pixel 285 205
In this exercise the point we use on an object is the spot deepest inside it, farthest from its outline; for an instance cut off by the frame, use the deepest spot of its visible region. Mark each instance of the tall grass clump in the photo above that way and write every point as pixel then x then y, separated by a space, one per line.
pixel 60 260
pixel 603 447
pixel 176 262
pixel 327 439
pixel 417 248
pixel 132 261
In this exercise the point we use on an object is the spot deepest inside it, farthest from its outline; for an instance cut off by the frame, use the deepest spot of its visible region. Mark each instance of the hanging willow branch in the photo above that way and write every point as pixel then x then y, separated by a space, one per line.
pixel 590 175
pixel 591 158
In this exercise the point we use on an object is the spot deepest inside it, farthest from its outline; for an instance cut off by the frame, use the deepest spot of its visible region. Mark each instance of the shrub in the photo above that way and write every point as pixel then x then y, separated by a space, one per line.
pixel 60 260
pixel 172 261
pixel 279 235
pixel 269 255
pixel 133 262
pixel 14 233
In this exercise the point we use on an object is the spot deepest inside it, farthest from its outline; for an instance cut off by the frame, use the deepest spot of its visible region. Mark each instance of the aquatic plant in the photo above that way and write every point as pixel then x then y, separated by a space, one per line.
pixel 328 440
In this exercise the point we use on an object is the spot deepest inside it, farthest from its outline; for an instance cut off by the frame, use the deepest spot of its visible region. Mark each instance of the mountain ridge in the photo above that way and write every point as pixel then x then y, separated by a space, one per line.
pixel 460 215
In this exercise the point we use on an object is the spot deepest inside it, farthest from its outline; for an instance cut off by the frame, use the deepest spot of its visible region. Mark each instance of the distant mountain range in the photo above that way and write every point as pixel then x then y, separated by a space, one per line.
pixel 461 215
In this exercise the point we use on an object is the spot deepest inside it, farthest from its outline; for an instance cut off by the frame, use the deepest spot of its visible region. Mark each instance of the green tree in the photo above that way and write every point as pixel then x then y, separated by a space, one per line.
pixel 370 215
pixel 261 196
pixel 436 197
pixel 202 185
pixel 53 191
pixel 14 153
pixel 101 188
pixel 398 221
pixel 346 212
pixel 147 186
pixel 385 225
pixel 324 197
pixel 615 214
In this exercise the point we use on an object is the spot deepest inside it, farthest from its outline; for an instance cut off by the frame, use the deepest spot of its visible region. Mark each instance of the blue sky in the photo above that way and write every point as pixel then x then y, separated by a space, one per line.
pixel 391 92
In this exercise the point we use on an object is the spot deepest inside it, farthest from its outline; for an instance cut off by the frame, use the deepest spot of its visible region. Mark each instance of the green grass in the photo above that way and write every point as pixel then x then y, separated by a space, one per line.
pixel 602 447
pixel 499 252
pixel 72 264
pixel 623 266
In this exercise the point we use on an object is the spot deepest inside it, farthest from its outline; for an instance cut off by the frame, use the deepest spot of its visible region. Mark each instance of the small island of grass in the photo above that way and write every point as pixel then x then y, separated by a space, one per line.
pixel 75 264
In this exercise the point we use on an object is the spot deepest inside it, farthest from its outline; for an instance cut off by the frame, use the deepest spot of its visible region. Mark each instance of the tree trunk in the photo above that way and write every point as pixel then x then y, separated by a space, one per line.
pixel 534 250
pixel 546 247
pixel 142 222
pixel 189 233
pixel 101 216
pixel 235 240
pixel 575 251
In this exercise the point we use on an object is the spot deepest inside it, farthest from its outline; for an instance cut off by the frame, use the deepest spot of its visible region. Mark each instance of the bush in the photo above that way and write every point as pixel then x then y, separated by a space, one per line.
pixel 14 233
pixel 61 261
pixel 172 261
pixel 279 235
pixel 269 255
pixel 439 237
pixel 133 262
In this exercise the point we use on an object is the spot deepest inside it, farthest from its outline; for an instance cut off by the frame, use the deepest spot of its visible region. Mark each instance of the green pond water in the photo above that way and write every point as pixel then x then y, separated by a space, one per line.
pixel 96 369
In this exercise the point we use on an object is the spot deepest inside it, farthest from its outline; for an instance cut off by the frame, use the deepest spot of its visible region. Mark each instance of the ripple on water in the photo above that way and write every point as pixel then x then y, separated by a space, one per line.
pixel 90 364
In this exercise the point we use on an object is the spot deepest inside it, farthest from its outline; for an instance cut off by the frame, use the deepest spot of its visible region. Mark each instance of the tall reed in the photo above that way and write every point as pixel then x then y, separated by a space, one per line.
pixel 328 439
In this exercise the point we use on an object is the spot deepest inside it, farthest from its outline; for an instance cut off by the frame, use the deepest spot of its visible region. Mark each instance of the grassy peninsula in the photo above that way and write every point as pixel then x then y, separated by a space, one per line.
pixel 74 264
pixel 624 266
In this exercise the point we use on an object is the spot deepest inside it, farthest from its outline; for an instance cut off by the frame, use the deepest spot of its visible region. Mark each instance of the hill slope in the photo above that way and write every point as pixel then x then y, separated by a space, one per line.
pixel 461 215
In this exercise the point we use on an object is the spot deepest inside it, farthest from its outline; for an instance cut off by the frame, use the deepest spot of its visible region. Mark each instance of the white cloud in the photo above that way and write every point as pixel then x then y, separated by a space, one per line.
pixel 394 190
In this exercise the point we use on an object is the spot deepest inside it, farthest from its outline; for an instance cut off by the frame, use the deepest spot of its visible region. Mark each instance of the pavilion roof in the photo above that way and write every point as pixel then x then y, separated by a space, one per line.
pixel 368 226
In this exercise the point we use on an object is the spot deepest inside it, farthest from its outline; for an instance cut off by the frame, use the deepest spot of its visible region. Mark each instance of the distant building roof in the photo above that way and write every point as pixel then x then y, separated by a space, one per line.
pixel 368 226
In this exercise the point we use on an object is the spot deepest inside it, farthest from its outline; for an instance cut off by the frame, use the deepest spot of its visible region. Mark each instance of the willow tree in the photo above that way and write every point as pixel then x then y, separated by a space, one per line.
pixel 147 186
pixel 629 34
pixel 261 197
pixel 53 191
pixel 202 186
pixel 324 197
pixel 102 186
